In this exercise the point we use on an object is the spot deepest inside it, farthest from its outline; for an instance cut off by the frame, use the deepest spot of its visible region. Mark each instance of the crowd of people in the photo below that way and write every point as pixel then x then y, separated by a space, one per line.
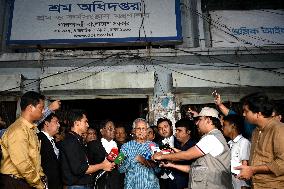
pixel 214 148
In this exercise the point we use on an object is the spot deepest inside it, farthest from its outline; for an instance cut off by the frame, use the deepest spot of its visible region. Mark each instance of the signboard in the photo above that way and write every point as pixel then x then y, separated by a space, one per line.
pixel 48 22
pixel 247 28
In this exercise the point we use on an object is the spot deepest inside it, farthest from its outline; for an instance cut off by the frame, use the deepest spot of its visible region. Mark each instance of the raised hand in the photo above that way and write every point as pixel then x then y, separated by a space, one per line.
pixel 55 105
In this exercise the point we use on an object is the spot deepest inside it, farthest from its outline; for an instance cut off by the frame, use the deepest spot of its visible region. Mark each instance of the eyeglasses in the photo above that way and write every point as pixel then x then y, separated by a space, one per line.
pixel 109 129
pixel 141 129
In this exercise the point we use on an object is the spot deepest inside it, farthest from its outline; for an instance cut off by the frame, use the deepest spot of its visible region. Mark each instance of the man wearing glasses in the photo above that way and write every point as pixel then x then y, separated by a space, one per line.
pixel 139 172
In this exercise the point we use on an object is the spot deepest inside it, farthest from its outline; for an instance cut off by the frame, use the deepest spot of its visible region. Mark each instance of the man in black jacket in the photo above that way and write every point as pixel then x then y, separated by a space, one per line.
pixel 49 152
pixel 167 139
pixel 97 152
pixel 76 169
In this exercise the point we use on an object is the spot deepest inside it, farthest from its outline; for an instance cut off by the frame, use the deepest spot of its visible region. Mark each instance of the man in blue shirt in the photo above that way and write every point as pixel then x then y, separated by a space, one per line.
pixel 248 128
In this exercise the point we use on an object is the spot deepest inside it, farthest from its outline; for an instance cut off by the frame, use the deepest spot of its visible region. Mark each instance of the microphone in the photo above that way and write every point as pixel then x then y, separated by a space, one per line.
pixel 165 149
pixel 113 156
pixel 154 148
pixel 119 159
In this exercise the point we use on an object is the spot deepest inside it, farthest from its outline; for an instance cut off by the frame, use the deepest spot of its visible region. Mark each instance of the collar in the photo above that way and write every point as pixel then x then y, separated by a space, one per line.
pixel 108 145
pixel 47 135
pixel 235 139
pixel 80 138
pixel 169 140
pixel 212 131
pixel 106 141
pixel 29 125
pixel 268 125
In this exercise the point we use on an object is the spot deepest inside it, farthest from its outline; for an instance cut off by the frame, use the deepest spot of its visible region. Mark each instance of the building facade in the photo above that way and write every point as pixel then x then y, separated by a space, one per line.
pixel 233 48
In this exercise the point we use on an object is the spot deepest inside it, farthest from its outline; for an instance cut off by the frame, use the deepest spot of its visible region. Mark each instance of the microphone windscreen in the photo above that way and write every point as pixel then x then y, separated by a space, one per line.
pixel 153 148
pixel 119 158
pixel 112 155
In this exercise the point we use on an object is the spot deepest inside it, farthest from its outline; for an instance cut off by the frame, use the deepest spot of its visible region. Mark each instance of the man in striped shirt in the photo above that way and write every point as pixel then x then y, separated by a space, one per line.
pixel 139 172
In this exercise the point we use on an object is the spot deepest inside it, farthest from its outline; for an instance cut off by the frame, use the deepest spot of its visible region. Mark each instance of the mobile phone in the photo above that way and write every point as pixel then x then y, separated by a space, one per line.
pixel 215 94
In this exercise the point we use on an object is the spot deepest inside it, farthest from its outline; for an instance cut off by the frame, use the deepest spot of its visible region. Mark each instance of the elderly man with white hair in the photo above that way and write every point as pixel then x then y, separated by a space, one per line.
pixel 212 167
pixel 139 172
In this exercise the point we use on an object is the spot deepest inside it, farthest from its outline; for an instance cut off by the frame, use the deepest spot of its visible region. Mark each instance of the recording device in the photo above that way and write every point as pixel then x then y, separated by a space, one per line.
pixel 113 156
pixel 215 94
pixel 153 148
pixel 166 149
pixel 233 165
pixel 119 159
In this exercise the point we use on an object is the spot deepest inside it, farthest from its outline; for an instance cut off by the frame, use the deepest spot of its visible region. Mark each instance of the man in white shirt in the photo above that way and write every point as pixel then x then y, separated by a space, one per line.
pixel 212 166
pixel 165 130
pixel 239 145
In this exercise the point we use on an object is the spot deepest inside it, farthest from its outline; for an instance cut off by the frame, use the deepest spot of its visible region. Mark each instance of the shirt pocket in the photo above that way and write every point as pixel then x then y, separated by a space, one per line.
pixel 199 177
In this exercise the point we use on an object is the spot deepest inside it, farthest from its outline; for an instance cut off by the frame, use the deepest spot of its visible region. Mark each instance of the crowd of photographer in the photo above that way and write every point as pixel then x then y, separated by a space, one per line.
pixel 207 149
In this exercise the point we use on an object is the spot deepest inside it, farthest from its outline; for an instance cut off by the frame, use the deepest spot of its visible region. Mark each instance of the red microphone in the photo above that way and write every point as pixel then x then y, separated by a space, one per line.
pixel 110 157
pixel 154 148
pixel 112 154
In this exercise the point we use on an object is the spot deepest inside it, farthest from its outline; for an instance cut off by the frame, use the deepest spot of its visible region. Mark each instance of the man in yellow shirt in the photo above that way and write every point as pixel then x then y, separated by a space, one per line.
pixel 21 162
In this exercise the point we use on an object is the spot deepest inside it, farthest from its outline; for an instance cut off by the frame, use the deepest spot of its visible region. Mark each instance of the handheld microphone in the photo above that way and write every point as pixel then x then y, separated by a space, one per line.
pixel 153 148
pixel 165 149
pixel 113 156
pixel 119 159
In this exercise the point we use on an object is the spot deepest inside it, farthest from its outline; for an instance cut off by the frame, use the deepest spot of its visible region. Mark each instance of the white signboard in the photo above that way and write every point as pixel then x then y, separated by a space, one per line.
pixel 88 21
pixel 247 28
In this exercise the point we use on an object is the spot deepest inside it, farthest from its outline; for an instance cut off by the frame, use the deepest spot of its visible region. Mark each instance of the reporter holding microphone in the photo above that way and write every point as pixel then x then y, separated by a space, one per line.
pixel 76 168
pixel 101 149
pixel 211 169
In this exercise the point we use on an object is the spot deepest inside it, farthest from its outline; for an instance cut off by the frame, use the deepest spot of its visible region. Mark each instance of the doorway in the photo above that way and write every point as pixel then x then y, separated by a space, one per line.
pixel 121 111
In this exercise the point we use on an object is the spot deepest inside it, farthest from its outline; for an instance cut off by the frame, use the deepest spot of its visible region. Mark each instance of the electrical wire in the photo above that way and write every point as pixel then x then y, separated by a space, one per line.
pixel 62 72
pixel 210 21
pixel 83 78
pixel 237 64
pixel 142 27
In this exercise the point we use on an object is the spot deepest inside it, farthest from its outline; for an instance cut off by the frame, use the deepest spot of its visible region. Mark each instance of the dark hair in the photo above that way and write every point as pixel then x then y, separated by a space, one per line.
pixel 75 115
pixel 258 102
pixel 48 119
pixel 190 126
pixel 30 98
pixel 104 122
pixel 236 120
pixel 160 120
pixel 216 122
pixel 278 108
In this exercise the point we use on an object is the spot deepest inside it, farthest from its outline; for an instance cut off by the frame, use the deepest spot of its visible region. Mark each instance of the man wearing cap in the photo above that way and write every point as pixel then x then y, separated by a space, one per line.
pixel 212 167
